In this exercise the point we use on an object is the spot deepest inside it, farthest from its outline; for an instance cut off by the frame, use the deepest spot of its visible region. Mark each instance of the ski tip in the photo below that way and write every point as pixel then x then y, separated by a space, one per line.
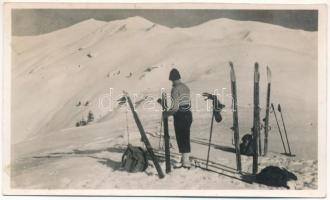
pixel 231 67
pixel 232 75
pixel 279 108
pixel 269 74
pixel 256 65
pixel 256 74
pixel 232 72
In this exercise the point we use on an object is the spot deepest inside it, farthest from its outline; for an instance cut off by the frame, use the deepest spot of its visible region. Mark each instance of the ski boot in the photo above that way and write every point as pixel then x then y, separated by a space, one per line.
pixel 184 163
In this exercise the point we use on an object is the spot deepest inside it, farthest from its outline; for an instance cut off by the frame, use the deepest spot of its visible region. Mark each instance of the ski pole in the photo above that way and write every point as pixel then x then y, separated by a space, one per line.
pixel 286 135
pixel 279 128
pixel 127 127
pixel 160 132
pixel 266 129
pixel 259 142
pixel 208 151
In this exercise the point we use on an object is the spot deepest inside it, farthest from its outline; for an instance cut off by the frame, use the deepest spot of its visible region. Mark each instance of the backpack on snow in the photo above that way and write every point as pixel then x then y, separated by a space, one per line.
pixel 246 146
pixel 134 159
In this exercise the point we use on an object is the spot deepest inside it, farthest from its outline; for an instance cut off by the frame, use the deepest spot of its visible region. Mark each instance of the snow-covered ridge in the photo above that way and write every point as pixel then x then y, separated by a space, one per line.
pixel 216 28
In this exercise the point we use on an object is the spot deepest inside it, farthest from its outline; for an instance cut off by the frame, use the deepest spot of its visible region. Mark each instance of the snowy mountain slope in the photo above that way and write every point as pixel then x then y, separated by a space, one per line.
pixel 53 72
pixel 256 33
pixel 113 51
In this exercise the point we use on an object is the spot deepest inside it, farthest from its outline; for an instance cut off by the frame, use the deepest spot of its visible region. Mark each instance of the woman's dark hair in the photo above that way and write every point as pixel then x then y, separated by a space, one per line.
pixel 174 75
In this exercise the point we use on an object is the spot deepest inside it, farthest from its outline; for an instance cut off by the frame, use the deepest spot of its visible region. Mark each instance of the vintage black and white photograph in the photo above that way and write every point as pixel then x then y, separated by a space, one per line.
pixel 175 99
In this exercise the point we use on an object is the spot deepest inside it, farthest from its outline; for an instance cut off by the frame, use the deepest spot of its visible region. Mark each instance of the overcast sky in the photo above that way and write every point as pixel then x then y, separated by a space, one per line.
pixel 39 21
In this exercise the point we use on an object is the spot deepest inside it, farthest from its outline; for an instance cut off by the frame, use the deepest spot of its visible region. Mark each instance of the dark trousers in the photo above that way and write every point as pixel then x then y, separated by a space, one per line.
pixel 182 124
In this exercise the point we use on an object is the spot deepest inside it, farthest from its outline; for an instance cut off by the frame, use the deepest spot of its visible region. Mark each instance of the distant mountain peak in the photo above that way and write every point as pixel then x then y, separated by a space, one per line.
pixel 136 22
pixel 91 21
pixel 138 19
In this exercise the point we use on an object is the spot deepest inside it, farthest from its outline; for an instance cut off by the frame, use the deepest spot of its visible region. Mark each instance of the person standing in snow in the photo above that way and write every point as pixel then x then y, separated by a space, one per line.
pixel 180 110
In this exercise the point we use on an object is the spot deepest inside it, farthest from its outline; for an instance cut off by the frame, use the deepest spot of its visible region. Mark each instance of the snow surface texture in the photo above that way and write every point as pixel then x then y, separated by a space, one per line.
pixel 51 73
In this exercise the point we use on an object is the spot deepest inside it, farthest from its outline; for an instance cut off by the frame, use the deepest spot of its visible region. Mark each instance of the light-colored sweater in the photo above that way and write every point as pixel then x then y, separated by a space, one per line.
pixel 180 96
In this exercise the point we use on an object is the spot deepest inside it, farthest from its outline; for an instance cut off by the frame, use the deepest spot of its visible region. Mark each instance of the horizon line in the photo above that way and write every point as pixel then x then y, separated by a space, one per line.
pixel 43 21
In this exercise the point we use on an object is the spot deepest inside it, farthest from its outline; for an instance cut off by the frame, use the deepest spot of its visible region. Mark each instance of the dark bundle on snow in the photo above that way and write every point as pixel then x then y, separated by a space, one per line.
pixel 246 146
pixel 275 176
pixel 134 159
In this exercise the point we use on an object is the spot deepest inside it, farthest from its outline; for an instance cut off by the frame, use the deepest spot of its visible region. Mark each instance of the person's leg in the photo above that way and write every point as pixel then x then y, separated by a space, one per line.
pixel 178 131
pixel 185 140
pixel 177 134
pixel 185 132
pixel 182 124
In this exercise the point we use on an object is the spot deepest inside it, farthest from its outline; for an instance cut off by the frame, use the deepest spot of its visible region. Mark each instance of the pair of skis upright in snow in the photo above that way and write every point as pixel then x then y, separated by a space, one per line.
pixel 256 117
pixel 235 117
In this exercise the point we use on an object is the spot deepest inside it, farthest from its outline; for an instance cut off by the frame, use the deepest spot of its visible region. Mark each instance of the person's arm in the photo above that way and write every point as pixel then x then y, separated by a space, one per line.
pixel 175 97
